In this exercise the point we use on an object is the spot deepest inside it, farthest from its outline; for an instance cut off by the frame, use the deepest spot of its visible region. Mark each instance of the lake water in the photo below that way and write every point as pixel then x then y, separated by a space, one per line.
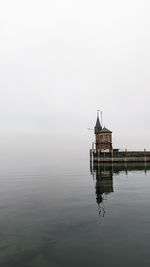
pixel 58 212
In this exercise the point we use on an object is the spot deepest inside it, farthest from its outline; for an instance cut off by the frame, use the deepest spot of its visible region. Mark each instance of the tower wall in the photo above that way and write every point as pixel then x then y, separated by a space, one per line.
pixel 103 141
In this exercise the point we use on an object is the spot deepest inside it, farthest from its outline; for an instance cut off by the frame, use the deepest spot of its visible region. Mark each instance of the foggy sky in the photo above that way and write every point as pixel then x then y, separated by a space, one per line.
pixel 60 61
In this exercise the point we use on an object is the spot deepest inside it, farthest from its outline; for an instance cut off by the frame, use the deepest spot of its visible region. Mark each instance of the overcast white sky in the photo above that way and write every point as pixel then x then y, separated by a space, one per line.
pixel 61 60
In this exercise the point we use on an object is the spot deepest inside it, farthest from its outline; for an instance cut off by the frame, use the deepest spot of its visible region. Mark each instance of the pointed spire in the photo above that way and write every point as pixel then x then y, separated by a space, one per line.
pixel 98 126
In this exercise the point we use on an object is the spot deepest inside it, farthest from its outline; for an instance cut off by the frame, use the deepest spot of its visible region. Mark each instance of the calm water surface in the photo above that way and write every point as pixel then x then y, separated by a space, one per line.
pixel 57 213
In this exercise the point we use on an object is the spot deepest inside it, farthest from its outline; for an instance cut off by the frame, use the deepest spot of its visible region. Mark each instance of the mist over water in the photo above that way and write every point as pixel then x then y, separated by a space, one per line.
pixel 56 211
pixel 60 61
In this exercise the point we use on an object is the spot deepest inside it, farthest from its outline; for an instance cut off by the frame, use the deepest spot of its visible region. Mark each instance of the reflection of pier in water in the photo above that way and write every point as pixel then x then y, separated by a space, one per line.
pixel 103 175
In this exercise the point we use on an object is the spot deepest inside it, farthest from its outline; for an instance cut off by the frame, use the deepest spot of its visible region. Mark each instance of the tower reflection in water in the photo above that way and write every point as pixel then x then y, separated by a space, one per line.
pixel 103 176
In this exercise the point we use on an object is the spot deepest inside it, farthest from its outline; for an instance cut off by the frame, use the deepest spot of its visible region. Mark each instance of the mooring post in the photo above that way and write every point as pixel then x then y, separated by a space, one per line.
pixel 145 155
pixel 112 156
pixel 125 159
pixel 91 155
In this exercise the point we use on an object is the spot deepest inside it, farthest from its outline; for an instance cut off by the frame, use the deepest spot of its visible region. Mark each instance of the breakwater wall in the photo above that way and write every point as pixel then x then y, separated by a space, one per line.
pixel 119 156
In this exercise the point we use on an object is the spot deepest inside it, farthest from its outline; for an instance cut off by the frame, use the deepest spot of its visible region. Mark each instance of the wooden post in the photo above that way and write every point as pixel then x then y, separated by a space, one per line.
pixel 112 156
pixel 145 154
pixel 125 159
pixel 91 155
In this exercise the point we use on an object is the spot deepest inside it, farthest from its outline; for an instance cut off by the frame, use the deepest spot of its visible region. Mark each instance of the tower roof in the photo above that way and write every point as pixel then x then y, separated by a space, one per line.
pixel 105 130
pixel 98 126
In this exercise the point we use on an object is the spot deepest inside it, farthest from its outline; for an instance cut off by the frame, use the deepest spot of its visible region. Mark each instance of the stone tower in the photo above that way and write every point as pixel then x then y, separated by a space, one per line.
pixel 103 137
